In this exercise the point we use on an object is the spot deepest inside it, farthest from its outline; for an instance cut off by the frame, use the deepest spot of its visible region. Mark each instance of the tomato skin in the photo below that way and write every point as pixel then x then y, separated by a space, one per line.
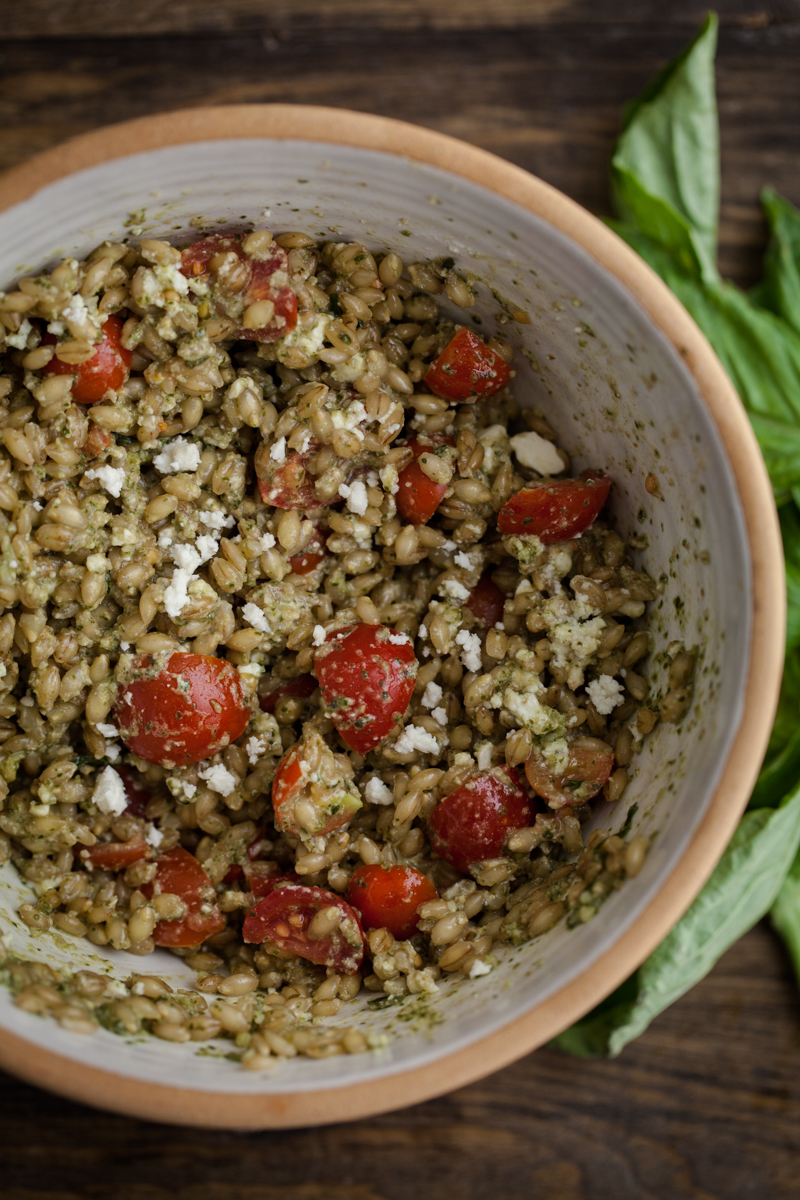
pixel 418 497
pixel 283 916
pixel 115 856
pixel 467 369
pixel 259 285
pixel 180 873
pixel 108 368
pixel 367 681
pixel 97 440
pixel 166 725
pixel 473 822
pixel 314 554
pixel 558 510
pixel 262 881
pixel 303 686
pixel 486 601
pixel 287 484
pixel 388 897
pixel 591 761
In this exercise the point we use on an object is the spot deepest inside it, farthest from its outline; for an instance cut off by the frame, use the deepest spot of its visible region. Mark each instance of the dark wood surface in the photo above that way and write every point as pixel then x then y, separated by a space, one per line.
pixel 706 1105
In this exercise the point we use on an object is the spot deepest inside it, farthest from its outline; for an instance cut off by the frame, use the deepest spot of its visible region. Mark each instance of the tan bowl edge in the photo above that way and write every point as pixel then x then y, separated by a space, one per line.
pixel 221 1110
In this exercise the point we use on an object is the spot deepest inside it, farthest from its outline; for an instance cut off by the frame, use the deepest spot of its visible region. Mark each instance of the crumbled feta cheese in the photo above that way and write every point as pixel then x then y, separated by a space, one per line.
pixel 19 340
pixel 605 694
pixel 423 632
pixel 109 793
pixel 219 779
pixel 378 793
pixel 318 636
pixel 255 617
pixel 206 546
pixel 484 756
pixel 177 455
pixel 153 836
pixel 113 751
pixel 176 593
pixel 399 639
pixel 478 968
pixel 255 747
pixel 189 789
pixel 556 754
pixel 308 339
pixel 463 560
pixel 218 520
pixel 356 497
pixel 455 589
pixel 470 649
pixel 108 731
pixel 253 670
pixel 165 539
pixel 536 452
pixel 278 451
pixel 432 695
pixel 414 737
pixel 112 478
pixel 439 715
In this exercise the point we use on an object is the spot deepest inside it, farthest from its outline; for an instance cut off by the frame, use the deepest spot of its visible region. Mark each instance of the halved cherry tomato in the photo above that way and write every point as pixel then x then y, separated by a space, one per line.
pixel 263 878
pixel 589 766
pixel 283 918
pixel 473 822
pixel 556 511
pixel 367 675
pixel 313 791
pixel 486 601
pixel 114 856
pixel 180 873
pixel 259 282
pixel 108 368
pixel 388 897
pixel 191 709
pixel 314 554
pixel 136 792
pixel 97 440
pixel 418 497
pixel 467 369
pixel 303 686
pixel 287 484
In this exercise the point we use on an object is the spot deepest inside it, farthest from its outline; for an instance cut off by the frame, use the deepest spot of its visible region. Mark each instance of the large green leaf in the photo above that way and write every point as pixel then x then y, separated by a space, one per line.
pixel 780 288
pixel 741 890
pixel 786 914
pixel 665 169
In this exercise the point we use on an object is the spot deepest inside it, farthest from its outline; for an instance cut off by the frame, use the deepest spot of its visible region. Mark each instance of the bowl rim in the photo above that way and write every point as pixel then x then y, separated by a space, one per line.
pixel 282 122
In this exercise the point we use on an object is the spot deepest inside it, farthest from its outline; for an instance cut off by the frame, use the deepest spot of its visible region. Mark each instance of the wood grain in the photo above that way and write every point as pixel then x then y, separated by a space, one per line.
pixel 705 1106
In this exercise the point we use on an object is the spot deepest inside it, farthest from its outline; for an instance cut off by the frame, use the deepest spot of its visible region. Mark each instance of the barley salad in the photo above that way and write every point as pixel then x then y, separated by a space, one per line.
pixel 314 652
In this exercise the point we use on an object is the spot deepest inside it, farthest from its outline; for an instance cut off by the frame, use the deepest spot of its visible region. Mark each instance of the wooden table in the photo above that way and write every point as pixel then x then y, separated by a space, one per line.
pixel 706 1105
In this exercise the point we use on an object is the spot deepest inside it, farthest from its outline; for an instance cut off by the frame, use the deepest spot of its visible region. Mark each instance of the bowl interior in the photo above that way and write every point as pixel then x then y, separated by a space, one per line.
pixel 620 397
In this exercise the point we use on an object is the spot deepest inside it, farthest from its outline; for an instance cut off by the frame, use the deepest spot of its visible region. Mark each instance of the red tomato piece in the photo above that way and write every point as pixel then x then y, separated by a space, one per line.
pixel 304 686
pixel 191 709
pixel 287 484
pixel 556 511
pixel 137 793
pixel 367 680
pixel 283 917
pixel 263 878
pixel 314 554
pixel 115 856
pixel 418 497
pixel 260 282
pixel 313 791
pixel 486 601
pixel 467 369
pixel 473 822
pixel 180 873
pixel 97 440
pixel 108 368
pixel 388 897
pixel 589 766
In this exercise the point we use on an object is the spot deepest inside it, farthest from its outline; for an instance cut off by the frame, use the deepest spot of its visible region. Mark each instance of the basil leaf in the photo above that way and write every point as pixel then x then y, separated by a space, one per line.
pixel 785 914
pixel 665 169
pixel 780 288
pixel 743 887
pixel 790 532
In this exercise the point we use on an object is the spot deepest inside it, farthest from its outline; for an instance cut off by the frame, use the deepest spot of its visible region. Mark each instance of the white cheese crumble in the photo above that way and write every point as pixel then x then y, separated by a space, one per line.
pixel 187 559
pixel 218 520
pixel 107 730
pixel 378 793
pixel 463 560
pixel 255 747
pixel 19 340
pixel 439 715
pixel 109 793
pixel 536 452
pixel 432 695
pixel 113 752
pixel 399 639
pixel 219 779
pixel 278 451
pixel 177 455
pixel 484 756
pixel 605 694
pixel 318 636
pixel 112 478
pixel 478 968
pixel 470 645
pixel 455 589
pixel 414 737
pixel 255 617
pixel 356 497
pixel 154 837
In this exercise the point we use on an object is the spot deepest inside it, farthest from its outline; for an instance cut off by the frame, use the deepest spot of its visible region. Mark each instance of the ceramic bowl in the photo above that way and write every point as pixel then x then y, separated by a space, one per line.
pixel 630 385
